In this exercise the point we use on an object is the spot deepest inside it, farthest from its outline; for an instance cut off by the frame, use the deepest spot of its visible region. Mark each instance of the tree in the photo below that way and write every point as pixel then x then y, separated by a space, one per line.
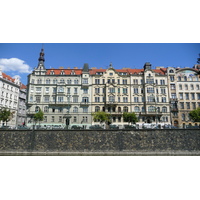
pixel 130 117
pixel 38 116
pixel 101 117
pixel 6 115
pixel 195 115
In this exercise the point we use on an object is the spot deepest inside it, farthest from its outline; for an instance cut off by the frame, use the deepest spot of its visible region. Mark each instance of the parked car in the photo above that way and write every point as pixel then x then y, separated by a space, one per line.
pixel 113 126
pixel 75 127
pixel 22 127
pixel 129 127
pixel 57 127
pixel 95 127
pixel 5 127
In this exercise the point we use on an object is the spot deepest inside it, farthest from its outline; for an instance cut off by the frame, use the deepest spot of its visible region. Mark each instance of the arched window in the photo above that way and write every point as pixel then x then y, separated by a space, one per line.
pixel 37 109
pixel 62 81
pixel 69 81
pixel 185 78
pixel 39 81
pixel 46 109
pixel 190 78
pixel 55 81
pixel 76 81
pixel 75 110
pixel 171 71
pixel 197 86
pixel 164 109
pixel 125 109
pixel 151 109
pixel 192 87
pixel 48 81
pixel 97 108
pixel 137 109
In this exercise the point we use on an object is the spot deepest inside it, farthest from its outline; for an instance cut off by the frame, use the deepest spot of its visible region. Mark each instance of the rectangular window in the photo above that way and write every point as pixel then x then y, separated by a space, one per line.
pixel 187 96
pixel 52 118
pixel 54 90
pixel 111 90
pixel 103 80
pixel 75 90
pixel 118 99
pixel 192 96
pixel 125 99
pixel 181 95
pixel 150 99
pixel 85 109
pixel 135 90
pixel 118 81
pixel 38 99
pixel 198 96
pixel 163 99
pixel 46 99
pixel 124 81
pixel 150 90
pixel 97 99
pixel 136 99
pixel 85 91
pixel 193 105
pixel 97 81
pixel 60 99
pixel 188 105
pixel 60 119
pixel 45 118
pixel 182 105
pixel 97 90
pixel 172 86
pixel 150 81
pixel 47 89
pixel 75 99
pixel 85 80
pixel 125 90
pixel 171 78
pixel 38 89
pixel 162 82
pixel 85 99
pixel 68 90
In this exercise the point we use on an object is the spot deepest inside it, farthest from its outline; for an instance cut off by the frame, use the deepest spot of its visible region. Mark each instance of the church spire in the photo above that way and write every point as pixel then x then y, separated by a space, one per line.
pixel 41 59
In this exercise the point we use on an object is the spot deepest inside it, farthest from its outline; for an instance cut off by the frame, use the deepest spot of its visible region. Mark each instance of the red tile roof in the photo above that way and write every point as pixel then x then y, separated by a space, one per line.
pixel 23 86
pixel 5 76
pixel 66 71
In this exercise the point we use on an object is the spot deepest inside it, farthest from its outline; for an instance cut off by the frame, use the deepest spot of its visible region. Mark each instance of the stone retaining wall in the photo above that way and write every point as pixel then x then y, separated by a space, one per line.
pixel 100 140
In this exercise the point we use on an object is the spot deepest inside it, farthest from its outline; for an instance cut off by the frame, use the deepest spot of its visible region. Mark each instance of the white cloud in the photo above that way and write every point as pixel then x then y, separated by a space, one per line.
pixel 14 64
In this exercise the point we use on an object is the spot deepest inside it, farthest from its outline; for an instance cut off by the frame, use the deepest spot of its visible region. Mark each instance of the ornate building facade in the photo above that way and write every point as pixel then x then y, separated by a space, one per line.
pixel 69 96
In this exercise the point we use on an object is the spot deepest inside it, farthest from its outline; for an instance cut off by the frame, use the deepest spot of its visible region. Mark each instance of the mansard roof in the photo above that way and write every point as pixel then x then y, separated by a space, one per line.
pixel 7 77
pixel 66 71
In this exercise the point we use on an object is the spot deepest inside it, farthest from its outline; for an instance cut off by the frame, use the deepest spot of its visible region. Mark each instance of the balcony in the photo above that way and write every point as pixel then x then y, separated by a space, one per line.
pixel 59 102
pixel 111 102
pixel 83 103
pixel 173 99
pixel 174 109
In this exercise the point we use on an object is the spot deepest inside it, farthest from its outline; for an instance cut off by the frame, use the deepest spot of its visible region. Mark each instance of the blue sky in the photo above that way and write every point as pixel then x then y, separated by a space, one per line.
pixel 132 55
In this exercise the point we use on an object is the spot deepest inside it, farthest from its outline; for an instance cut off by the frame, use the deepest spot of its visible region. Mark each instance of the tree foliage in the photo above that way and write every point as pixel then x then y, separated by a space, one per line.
pixel 38 116
pixel 195 115
pixel 6 115
pixel 130 117
pixel 101 117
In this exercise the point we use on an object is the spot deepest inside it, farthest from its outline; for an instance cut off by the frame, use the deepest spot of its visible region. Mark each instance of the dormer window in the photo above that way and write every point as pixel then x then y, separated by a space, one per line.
pixel 62 73
pixel 171 71
pixel 99 73
pixel 73 72
pixel 52 72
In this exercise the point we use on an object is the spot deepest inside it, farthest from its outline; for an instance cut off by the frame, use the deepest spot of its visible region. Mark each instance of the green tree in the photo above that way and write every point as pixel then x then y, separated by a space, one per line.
pixel 195 115
pixel 39 116
pixel 6 115
pixel 101 117
pixel 130 117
